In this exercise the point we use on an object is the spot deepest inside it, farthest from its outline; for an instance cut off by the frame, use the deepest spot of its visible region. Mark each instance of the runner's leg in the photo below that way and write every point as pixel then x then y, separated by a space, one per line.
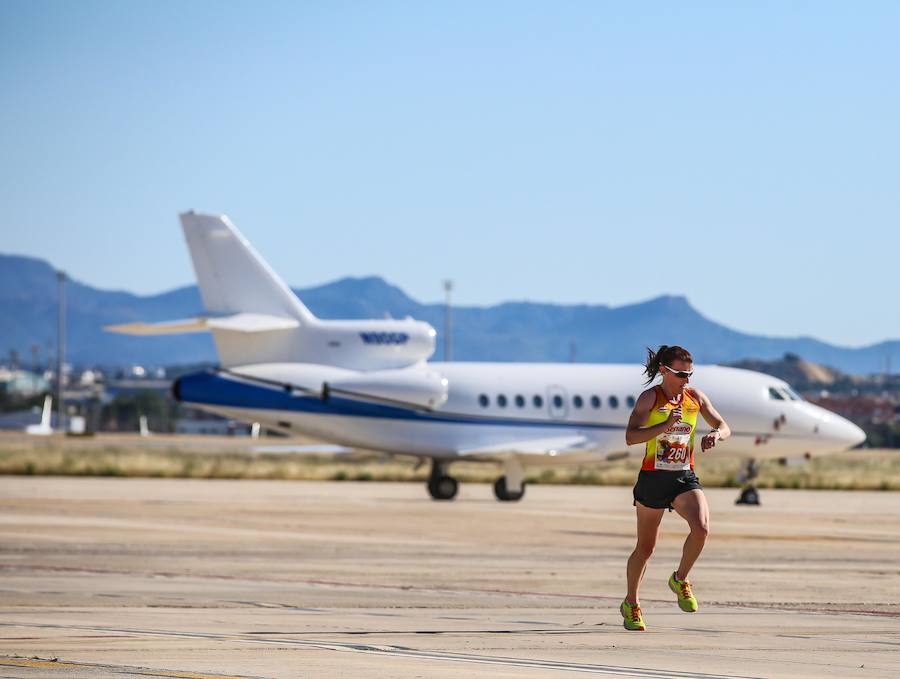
pixel 648 520
pixel 693 508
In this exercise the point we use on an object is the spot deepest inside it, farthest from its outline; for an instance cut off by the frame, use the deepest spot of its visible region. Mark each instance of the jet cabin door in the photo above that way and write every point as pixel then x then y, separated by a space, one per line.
pixel 557 402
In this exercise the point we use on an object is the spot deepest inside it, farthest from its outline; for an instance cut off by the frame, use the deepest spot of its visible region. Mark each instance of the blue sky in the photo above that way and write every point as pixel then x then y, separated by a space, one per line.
pixel 746 154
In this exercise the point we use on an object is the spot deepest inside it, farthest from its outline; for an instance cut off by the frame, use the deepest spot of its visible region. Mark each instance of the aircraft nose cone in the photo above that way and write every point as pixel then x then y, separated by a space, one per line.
pixel 844 433
pixel 832 432
pixel 851 434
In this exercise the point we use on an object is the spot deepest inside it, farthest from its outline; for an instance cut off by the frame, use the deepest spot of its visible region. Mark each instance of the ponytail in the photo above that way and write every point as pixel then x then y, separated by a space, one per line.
pixel 664 356
pixel 651 367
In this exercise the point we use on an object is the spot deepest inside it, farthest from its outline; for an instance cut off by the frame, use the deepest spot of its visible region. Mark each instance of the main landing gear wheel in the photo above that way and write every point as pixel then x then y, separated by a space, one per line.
pixel 505 495
pixel 440 485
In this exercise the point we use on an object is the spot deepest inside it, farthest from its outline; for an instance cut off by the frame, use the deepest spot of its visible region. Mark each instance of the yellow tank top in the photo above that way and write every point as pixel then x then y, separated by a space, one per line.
pixel 672 450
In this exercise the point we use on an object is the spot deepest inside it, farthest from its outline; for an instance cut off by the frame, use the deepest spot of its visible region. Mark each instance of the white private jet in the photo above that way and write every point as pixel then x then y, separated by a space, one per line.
pixel 368 383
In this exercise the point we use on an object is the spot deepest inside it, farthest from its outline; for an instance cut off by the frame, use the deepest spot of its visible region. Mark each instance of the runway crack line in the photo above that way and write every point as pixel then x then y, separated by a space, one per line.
pixel 6 661
pixel 399 651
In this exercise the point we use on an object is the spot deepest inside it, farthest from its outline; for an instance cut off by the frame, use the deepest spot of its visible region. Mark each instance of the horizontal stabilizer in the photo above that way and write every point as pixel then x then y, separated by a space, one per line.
pixel 252 323
pixel 243 322
pixel 545 446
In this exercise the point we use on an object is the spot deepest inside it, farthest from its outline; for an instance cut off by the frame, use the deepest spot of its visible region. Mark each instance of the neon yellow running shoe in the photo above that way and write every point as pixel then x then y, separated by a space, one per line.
pixel 686 600
pixel 634 621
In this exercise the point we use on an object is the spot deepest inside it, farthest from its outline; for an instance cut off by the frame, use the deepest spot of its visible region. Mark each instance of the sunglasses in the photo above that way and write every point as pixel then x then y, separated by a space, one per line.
pixel 683 374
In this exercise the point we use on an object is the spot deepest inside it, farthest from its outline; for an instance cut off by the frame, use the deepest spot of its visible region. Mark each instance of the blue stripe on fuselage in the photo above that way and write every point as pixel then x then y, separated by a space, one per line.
pixel 215 390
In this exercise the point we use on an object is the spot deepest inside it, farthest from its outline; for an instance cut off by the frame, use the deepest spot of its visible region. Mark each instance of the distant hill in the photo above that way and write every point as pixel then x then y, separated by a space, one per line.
pixel 513 331
pixel 794 370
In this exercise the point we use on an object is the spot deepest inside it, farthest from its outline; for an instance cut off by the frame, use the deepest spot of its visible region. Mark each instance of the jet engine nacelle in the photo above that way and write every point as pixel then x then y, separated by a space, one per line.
pixel 420 386
pixel 373 345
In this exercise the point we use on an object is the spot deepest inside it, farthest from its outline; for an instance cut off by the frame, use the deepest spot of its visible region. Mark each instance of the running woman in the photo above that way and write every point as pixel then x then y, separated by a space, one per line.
pixel 665 418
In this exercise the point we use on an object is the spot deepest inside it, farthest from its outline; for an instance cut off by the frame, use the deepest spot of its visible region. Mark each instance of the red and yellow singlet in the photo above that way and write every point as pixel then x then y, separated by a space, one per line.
pixel 672 450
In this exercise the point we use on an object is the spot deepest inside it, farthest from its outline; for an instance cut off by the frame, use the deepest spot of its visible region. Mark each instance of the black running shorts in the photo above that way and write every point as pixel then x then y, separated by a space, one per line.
pixel 657 489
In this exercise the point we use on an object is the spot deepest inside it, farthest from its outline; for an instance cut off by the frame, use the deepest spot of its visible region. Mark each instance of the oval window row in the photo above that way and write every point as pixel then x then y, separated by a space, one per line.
pixel 558 402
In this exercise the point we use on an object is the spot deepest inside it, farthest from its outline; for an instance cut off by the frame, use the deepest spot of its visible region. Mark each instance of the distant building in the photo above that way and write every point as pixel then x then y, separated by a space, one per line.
pixel 89 378
pixel 195 421
pixel 18 420
pixel 861 408
pixel 130 387
pixel 22 383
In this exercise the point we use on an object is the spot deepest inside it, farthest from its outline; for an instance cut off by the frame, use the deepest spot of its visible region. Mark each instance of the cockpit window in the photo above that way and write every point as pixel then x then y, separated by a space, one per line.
pixel 783 394
pixel 793 394
pixel 787 394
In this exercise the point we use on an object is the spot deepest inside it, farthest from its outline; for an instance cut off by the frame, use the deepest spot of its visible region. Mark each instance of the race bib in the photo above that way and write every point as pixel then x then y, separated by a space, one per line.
pixel 673 449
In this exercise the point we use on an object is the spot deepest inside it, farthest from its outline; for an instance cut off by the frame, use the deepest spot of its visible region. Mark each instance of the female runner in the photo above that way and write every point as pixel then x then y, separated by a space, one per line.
pixel 665 418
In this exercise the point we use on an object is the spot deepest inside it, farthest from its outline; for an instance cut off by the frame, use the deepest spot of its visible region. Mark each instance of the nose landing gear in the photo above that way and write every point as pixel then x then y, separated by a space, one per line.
pixel 749 495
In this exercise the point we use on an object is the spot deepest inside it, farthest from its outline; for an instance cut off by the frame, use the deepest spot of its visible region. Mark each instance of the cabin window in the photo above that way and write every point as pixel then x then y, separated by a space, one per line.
pixel 538 401
pixel 520 401
pixel 557 401
pixel 501 401
pixel 577 401
pixel 613 401
pixel 630 401
pixel 483 401
pixel 595 402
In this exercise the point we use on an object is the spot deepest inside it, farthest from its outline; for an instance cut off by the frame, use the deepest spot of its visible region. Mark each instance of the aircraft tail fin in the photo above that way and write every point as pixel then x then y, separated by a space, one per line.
pixel 44 428
pixel 47 412
pixel 233 277
pixel 142 426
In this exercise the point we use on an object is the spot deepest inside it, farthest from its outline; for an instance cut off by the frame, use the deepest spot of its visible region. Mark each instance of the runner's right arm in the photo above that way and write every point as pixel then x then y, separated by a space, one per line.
pixel 636 433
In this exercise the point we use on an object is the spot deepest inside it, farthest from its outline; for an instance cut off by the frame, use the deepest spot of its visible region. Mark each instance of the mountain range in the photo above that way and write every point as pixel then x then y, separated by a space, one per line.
pixel 512 331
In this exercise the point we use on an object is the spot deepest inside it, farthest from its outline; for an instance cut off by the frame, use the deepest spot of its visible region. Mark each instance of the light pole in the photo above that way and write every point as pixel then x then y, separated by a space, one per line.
pixel 448 288
pixel 61 353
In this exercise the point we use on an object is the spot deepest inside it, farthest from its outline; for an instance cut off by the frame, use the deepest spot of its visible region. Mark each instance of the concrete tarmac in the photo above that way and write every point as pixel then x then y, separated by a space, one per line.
pixel 108 577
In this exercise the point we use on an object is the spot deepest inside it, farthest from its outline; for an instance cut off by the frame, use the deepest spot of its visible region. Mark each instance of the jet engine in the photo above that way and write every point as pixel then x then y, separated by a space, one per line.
pixel 369 345
pixel 418 386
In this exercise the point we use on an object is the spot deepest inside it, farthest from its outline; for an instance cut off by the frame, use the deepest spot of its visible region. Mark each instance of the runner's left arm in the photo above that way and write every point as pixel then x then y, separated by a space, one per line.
pixel 721 430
